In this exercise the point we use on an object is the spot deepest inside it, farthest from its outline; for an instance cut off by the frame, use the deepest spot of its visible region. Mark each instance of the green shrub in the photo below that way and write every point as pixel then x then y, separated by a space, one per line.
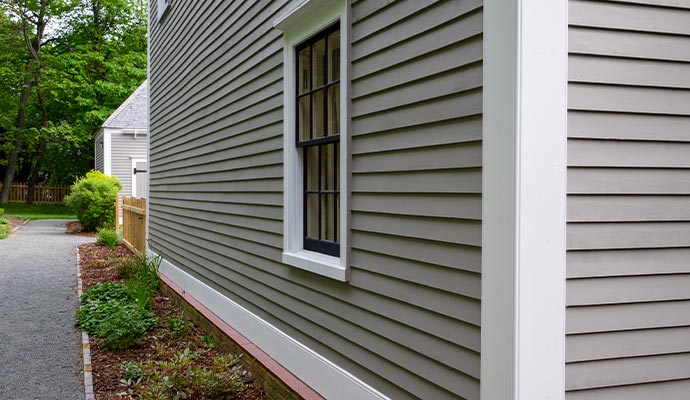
pixel 4 227
pixel 108 237
pixel 93 198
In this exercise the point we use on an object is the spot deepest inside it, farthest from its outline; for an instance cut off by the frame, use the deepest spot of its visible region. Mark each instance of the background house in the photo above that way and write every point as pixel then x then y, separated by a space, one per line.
pixel 120 144
pixel 511 191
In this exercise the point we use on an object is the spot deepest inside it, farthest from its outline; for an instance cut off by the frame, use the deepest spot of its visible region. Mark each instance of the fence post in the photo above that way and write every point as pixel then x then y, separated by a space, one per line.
pixel 117 212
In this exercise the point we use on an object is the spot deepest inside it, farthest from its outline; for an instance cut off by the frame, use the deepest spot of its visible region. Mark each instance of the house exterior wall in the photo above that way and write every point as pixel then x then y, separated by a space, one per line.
pixel 98 151
pixel 628 235
pixel 125 147
pixel 407 322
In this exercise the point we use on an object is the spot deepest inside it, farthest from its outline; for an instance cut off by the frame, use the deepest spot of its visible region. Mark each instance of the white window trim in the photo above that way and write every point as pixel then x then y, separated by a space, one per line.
pixel 134 176
pixel 298 24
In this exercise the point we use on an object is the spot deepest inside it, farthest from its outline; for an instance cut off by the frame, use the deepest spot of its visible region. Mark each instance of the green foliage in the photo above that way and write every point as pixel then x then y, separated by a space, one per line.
pixel 178 378
pixel 109 311
pixel 119 312
pixel 4 227
pixel 121 323
pixel 108 237
pixel 178 325
pixel 93 198
pixel 106 292
pixel 92 58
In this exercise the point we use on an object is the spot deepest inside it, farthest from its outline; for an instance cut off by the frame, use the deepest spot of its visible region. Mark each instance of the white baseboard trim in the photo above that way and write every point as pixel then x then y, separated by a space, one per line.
pixel 325 377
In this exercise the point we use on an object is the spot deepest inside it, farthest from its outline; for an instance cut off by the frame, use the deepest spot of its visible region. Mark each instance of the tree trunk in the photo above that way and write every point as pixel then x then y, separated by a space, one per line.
pixel 33 179
pixel 17 144
pixel 40 152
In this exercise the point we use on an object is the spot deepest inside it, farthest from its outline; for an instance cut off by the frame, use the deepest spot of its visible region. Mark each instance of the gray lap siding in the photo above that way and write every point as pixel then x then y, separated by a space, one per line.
pixel 407 323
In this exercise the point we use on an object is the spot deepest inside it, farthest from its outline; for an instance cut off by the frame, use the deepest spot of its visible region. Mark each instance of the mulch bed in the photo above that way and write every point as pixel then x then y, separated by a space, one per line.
pixel 74 228
pixel 97 264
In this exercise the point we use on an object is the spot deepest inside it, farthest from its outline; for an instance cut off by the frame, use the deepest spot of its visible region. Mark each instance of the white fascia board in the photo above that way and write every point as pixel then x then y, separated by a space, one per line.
pixel 107 151
pixel 325 377
pixel 523 199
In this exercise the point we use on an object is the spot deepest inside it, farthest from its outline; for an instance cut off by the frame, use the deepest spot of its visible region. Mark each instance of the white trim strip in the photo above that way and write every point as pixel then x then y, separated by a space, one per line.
pixel 328 379
pixel 523 199
pixel 107 152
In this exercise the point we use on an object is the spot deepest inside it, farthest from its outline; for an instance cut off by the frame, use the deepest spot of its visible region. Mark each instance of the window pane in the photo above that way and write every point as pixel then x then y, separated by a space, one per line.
pixel 313 216
pixel 334 110
pixel 328 217
pixel 304 72
pixel 304 119
pixel 337 166
pixel 318 63
pixel 312 167
pixel 334 56
pixel 328 161
pixel 318 114
pixel 337 220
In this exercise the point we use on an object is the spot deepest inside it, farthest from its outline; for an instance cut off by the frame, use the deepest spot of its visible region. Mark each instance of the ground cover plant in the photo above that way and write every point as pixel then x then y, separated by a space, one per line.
pixel 5 226
pixel 171 360
pixel 93 198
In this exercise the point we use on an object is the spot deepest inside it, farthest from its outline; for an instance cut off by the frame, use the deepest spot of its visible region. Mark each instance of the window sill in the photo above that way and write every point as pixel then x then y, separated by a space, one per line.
pixel 317 263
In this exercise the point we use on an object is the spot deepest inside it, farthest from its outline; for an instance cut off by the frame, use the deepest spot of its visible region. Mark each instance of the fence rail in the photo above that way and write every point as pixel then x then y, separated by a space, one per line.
pixel 42 194
pixel 134 223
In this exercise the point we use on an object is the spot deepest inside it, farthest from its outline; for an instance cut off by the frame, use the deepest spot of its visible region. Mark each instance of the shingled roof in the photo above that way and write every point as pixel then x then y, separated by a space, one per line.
pixel 132 113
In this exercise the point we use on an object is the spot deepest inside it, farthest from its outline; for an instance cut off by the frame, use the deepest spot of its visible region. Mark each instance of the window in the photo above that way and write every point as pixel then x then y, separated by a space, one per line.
pixel 318 137
pixel 316 140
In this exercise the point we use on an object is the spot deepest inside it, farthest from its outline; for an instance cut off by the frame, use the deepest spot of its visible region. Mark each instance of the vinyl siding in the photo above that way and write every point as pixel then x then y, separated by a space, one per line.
pixel 98 151
pixel 125 147
pixel 628 232
pixel 407 323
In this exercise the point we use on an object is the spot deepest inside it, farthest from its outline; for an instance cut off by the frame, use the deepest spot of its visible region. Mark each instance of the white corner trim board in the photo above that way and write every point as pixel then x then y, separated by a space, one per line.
pixel 524 199
pixel 325 377
pixel 107 152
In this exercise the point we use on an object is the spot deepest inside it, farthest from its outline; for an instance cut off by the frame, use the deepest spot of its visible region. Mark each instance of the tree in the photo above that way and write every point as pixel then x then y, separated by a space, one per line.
pixel 73 62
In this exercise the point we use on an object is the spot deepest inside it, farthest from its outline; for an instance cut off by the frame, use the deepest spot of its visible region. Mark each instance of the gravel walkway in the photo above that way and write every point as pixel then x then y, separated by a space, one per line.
pixel 40 348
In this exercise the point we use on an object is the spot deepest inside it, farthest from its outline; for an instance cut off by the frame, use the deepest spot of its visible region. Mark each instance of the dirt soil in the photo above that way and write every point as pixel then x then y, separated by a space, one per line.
pixel 97 264
pixel 74 228
pixel 14 222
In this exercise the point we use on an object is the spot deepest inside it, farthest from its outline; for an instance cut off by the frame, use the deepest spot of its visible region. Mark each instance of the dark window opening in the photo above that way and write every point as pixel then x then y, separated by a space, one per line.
pixel 318 137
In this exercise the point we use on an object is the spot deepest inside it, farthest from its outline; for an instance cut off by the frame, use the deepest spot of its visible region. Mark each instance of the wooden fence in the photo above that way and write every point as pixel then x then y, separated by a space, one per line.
pixel 42 194
pixel 133 223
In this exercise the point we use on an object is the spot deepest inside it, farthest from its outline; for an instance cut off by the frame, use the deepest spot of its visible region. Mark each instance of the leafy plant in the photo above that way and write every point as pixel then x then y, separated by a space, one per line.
pixel 110 311
pixel 4 227
pixel 92 199
pixel 178 378
pixel 121 323
pixel 105 292
pixel 178 325
pixel 108 237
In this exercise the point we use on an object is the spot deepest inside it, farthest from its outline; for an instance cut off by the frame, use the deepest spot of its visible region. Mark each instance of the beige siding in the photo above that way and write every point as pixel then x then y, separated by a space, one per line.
pixel 629 189
pixel 407 323
pixel 125 147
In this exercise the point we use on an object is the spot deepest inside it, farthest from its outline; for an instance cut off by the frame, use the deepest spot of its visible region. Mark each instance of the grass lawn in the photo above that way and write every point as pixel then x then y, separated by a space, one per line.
pixel 39 211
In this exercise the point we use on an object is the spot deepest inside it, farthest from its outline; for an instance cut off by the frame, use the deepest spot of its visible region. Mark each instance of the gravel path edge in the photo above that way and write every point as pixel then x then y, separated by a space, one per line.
pixel 85 343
